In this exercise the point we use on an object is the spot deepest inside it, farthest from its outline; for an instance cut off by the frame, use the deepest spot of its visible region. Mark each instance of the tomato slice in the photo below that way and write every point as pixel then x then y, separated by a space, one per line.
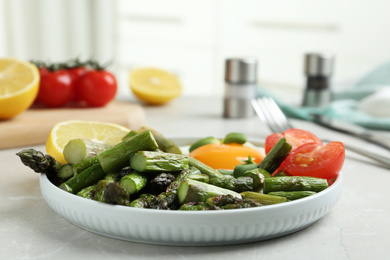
pixel 316 160
pixel 270 141
pixel 295 137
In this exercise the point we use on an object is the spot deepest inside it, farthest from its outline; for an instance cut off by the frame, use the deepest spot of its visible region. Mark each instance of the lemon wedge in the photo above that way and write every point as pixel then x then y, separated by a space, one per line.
pixel 19 85
pixel 63 132
pixel 154 86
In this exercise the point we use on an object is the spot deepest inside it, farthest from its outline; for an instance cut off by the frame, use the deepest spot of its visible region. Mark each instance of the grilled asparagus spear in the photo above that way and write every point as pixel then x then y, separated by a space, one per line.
pixel 276 156
pixel 84 179
pixel 81 166
pixel 239 184
pixel 154 161
pixel 263 199
pixel 41 163
pixel 257 176
pixel 160 183
pixel 169 198
pixel 114 194
pixel 77 150
pixel 294 183
pixel 231 202
pixel 165 200
pixel 87 192
pixel 292 195
pixel 165 144
pixel 182 176
pixel 221 202
pixel 196 206
pixel 205 169
pixel 200 177
pixel 100 188
pixel 133 182
pixel 241 168
pixel 143 201
pixel 117 157
pixel 195 191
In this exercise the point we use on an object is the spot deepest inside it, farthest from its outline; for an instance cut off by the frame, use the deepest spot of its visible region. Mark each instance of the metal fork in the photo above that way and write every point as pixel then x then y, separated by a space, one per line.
pixel 271 115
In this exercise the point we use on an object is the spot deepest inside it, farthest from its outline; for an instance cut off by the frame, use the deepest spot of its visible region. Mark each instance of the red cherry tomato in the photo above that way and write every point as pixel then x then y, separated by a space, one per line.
pixel 76 74
pixel 316 160
pixel 56 88
pixel 43 71
pixel 270 141
pixel 96 87
pixel 295 137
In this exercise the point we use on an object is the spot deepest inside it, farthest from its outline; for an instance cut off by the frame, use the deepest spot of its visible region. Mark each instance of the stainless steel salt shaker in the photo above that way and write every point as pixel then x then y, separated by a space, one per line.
pixel 240 87
pixel 318 70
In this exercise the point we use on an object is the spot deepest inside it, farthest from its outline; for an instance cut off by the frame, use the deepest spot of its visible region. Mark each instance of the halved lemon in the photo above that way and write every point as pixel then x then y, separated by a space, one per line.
pixel 19 85
pixel 154 86
pixel 63 132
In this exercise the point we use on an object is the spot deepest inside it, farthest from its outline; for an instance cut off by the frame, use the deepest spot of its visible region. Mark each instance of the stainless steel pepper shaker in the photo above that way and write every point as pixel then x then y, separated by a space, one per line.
pixel 240 87
pixel 318 70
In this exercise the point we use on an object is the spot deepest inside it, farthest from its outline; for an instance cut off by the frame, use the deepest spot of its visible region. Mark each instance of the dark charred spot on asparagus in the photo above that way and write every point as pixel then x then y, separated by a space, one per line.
pixel 114 194
pixel 161 182
pixel 244 204
pixel 222 200
pixel 165 201
pixel 125 171
pixel 143 201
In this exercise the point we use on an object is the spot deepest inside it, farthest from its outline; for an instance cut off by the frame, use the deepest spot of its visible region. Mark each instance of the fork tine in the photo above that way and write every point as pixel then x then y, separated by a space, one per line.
pixel 261 113
pixel 279 116
pixel 268 115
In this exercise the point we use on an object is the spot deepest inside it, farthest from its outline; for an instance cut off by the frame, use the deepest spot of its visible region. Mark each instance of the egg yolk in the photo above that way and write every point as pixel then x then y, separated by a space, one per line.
pixel 225 156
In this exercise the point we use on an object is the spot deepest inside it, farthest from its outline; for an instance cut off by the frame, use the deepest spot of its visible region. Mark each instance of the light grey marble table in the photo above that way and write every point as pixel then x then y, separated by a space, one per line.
pixel 358 227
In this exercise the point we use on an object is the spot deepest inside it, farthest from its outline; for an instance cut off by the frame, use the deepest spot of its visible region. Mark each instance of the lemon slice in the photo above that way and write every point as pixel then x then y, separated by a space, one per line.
pixel 63 132
pixel 19 85
pixel 154 86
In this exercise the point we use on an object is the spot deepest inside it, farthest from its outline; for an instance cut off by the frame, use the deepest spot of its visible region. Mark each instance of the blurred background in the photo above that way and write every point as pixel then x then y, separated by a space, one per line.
pixel 193 38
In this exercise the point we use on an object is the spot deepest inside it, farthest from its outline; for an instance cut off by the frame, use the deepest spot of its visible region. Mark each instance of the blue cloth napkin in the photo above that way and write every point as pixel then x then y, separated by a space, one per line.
pixel 344 105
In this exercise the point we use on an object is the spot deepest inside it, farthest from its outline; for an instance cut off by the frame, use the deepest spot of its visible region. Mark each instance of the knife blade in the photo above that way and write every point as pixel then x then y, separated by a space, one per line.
pixel 352 129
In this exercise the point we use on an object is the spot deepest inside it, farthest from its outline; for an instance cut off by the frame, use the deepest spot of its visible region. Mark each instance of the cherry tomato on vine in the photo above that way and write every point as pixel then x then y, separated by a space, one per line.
pixel 295 137
pixel 43 71
pixel 96 87
pixel 316 160
pixel 77 73
pixel 56 88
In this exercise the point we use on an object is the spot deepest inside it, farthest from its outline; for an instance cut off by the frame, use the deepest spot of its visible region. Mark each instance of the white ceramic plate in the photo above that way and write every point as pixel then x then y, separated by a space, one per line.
pixel 182 228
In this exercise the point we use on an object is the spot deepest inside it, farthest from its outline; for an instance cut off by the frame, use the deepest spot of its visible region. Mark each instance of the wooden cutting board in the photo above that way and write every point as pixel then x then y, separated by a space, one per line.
pixel 33 126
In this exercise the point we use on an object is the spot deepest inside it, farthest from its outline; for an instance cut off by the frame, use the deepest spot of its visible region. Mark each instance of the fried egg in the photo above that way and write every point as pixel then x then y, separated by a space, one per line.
pixel 226 156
